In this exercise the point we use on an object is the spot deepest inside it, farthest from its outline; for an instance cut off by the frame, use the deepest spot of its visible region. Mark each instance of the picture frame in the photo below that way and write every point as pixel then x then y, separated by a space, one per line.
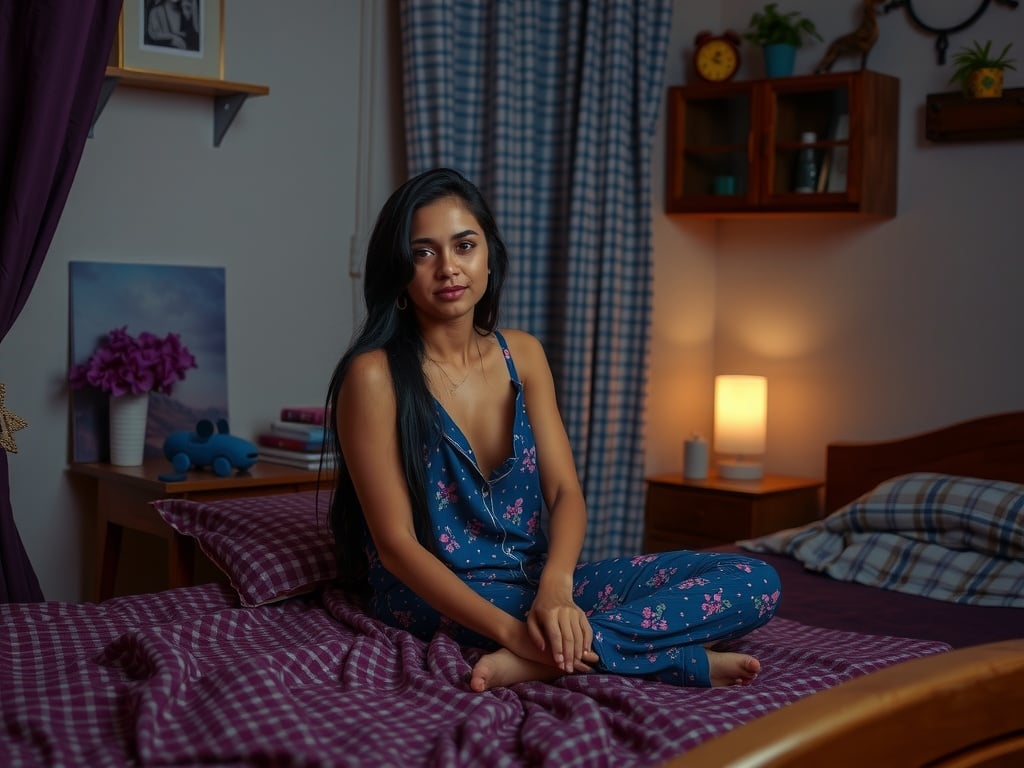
pixel 172 37
pixel 161 299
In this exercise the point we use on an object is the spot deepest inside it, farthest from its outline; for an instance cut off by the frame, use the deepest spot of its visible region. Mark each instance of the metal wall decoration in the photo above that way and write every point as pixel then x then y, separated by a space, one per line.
pixel 942 33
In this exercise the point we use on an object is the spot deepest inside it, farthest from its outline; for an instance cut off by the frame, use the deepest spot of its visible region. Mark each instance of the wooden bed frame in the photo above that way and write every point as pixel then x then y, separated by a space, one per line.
pixel 962 708
pixel 991 447
pixel 958 709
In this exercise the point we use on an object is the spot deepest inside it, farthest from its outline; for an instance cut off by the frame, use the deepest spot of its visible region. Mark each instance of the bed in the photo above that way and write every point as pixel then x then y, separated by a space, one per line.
pixel 277 667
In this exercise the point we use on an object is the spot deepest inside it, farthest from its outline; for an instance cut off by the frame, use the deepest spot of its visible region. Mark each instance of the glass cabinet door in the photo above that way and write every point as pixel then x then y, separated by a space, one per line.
pixel 712 168
pixel 808 142
pixel 716 161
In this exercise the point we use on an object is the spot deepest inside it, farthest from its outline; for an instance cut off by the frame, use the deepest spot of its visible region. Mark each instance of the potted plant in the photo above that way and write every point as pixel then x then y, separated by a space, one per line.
pixel 128 368
pixel 979 72
pixel 779 35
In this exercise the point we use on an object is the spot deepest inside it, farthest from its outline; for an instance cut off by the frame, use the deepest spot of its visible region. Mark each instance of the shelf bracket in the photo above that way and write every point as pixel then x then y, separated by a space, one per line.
pixel 109 84
pixel 225 108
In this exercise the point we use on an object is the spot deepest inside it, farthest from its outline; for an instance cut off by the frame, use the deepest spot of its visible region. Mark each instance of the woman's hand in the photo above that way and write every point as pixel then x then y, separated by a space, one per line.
pixel 558 625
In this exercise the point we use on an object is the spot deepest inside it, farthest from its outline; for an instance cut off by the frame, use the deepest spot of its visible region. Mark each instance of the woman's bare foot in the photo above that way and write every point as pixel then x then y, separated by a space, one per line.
pixel 732 668
pixel 502 667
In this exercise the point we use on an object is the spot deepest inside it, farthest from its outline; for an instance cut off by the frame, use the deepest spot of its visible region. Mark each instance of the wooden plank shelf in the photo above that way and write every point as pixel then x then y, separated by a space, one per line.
pixel 228 97
pixel 953 117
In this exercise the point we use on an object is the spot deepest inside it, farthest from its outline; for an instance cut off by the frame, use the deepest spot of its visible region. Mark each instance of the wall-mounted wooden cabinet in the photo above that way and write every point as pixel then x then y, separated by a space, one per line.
pixel 733 148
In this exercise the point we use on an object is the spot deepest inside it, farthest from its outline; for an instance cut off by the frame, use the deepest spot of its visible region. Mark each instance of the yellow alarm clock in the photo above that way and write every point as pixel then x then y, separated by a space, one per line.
pixel 716 58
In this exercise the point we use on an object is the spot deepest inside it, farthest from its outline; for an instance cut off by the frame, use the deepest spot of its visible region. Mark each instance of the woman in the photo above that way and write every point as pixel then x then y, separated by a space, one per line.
pixel 174 24
pixel 442 478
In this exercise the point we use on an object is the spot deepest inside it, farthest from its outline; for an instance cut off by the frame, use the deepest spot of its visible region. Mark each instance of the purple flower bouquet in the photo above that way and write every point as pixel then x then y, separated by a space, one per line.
pixel 126 365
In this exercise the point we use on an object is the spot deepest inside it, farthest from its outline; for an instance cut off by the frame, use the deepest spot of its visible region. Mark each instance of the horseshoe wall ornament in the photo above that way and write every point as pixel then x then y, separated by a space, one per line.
pixel 942 33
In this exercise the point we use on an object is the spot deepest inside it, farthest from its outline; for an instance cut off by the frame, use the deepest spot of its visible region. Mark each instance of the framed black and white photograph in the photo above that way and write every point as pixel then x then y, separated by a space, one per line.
pixel 176 37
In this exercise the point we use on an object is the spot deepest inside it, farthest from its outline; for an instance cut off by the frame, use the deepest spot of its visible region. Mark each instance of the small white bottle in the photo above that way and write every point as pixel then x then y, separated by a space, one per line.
pixel 695 458
pixel 806 167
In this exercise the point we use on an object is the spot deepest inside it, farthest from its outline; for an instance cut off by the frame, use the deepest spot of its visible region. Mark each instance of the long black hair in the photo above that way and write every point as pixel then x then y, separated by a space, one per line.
pixel 389 270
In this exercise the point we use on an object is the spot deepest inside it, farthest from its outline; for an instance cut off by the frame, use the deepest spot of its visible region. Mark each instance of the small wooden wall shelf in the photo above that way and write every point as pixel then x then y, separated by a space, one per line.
pixel 228 97
pixel 954 117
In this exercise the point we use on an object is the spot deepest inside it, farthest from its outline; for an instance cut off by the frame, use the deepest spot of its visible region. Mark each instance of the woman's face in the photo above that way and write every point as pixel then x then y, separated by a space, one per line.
pixel 449 251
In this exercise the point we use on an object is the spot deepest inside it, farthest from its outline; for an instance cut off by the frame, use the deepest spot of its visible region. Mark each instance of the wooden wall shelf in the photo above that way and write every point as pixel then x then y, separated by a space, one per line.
pixel 228 97
pixel 954 117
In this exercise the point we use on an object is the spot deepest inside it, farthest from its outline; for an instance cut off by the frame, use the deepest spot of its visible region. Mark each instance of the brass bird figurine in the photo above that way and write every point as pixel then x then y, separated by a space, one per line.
pixel 859 41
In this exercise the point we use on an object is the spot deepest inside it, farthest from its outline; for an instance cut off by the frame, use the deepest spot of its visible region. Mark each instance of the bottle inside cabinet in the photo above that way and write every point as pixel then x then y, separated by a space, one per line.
pixel 806 174
pixel 811 123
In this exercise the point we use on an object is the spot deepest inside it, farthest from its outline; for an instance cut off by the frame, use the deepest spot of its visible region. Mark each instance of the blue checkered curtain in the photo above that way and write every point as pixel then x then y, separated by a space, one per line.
pixel 550 108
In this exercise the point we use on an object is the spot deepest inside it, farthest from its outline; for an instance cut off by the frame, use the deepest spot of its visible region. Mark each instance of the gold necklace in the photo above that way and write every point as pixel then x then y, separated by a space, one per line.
pixel 451 385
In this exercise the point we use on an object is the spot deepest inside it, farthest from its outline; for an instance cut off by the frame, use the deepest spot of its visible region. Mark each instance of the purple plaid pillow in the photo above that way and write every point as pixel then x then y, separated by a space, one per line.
pixel 270 547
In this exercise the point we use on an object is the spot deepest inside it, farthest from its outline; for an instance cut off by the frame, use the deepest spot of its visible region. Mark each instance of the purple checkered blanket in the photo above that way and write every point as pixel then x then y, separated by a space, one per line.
pixel 189 677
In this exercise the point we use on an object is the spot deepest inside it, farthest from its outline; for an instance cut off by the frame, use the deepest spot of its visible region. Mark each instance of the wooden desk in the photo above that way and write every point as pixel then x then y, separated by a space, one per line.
pixel 123 497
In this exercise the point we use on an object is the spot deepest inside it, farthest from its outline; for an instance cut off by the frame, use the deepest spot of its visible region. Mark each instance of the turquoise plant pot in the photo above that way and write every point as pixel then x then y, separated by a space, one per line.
pixel 778 60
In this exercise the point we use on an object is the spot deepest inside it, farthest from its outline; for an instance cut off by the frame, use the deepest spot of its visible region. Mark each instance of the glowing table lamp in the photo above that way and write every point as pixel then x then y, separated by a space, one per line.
pixel 741 415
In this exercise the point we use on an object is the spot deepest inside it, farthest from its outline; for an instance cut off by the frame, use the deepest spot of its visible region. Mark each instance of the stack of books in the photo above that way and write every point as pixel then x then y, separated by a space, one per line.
pixel 297 438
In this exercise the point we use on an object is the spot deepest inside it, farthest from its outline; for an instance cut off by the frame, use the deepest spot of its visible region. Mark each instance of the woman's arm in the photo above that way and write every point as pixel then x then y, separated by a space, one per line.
pixel 555 621
pixel 366 405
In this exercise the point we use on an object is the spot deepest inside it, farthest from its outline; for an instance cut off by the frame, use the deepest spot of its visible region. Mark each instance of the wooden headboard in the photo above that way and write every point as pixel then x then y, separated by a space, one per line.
pixel 991 447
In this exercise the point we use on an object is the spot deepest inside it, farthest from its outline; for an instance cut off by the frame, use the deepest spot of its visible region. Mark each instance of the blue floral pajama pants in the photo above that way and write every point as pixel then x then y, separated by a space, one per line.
pixel 651 615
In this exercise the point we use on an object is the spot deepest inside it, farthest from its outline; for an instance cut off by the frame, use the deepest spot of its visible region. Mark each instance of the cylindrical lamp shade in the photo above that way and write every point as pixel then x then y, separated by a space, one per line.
pixel 741 415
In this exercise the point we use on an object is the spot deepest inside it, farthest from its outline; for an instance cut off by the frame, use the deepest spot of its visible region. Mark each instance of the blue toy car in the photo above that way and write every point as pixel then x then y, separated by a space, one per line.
pixel 202 448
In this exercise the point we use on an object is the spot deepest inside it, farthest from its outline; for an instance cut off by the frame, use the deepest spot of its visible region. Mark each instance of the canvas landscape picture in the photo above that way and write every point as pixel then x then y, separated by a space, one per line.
pixel 158 299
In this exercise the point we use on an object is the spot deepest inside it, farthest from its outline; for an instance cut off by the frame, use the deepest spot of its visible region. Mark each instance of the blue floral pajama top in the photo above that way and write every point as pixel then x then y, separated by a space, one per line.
pixel 651 614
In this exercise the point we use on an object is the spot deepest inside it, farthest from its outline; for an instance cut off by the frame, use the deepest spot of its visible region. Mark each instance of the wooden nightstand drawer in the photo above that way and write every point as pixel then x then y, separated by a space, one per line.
pixel 667 541
pixel 697 514
pixel 676 509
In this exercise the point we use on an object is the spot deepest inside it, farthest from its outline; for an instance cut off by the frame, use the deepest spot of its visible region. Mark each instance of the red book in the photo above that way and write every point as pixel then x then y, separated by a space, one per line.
pixel 306 414
pixel 289 443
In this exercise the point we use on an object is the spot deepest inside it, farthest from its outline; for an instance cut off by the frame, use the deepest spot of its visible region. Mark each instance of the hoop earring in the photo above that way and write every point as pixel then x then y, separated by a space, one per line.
pixel 402 302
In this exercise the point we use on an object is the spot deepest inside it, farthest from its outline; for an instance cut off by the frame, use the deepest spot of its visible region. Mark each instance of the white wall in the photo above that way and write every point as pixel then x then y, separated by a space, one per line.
pixel 275 205
pixel 679 400
pixel 866 330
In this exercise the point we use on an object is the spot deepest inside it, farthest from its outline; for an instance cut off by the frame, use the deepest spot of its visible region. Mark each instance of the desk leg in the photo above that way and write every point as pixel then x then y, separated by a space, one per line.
pixel 181 558
pixel 108 557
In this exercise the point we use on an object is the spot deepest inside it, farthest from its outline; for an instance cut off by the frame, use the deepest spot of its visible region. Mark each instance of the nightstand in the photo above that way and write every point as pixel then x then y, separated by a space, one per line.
pixel 699 514
pixel 121 500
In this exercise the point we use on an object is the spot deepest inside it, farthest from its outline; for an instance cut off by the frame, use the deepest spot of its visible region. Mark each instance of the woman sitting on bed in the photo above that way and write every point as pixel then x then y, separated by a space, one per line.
pixel 451 444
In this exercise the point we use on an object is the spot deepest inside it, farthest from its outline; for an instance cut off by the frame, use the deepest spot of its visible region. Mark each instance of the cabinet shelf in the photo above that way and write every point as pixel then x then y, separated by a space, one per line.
pixel 228 97
pixel 733 147
pixel 954 117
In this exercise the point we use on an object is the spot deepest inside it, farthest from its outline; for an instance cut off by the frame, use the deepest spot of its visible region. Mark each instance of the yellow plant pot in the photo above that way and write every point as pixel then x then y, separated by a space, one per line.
pixel 985 83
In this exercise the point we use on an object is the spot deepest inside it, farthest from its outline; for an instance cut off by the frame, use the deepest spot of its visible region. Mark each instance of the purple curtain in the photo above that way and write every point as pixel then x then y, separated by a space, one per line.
pixel 52 59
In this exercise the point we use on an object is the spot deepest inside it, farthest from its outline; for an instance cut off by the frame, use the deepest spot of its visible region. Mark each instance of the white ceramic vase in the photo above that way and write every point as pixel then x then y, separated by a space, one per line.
pixel 128 429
